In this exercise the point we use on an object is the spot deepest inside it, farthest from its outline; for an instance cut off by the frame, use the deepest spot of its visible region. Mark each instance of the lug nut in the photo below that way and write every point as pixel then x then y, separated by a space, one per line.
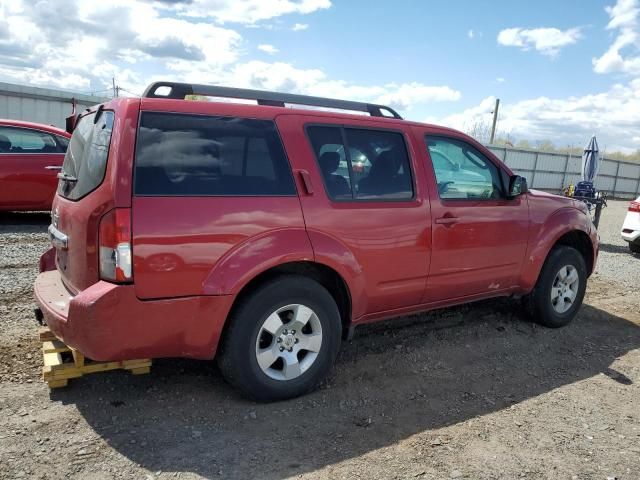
pixel 279 340
pixel 297 340
pixel 285 331
pixel 293 332
pixel 291 349
pixel 282 349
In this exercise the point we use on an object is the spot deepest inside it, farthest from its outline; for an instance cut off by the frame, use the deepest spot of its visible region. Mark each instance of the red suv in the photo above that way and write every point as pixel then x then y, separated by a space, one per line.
pixel 243 232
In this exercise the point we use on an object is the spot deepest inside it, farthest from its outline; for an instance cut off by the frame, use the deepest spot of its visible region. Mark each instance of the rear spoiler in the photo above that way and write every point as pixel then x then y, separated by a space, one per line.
pixel 71 120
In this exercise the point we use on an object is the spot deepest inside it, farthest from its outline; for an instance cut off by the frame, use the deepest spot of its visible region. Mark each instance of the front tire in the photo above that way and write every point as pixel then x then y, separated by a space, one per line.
pixel 634 247
pixel 282 339
pixel 560 289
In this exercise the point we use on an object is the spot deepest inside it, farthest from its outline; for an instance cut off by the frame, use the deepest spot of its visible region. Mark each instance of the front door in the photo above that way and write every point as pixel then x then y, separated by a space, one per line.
pixel 479 235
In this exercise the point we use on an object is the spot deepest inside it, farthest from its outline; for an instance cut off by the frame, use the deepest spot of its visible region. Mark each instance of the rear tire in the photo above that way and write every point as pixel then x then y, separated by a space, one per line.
pixel 634 247
pixel 282 339
pixel 560 289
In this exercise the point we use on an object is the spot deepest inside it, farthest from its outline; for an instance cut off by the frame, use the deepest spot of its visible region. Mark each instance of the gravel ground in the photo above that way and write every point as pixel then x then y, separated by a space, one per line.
pixel 472 392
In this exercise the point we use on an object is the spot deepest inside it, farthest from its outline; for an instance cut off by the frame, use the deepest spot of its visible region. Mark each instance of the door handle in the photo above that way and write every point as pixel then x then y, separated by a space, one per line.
pixel 306 181
pixel 53 167
pixel 446 220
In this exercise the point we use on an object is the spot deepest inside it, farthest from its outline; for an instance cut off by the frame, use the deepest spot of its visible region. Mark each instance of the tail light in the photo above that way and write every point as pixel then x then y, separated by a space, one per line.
pixel 634 207
pixel 114 239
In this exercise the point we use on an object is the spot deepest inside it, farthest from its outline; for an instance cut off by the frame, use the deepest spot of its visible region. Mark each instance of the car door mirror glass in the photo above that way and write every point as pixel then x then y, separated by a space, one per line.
pixel 517 186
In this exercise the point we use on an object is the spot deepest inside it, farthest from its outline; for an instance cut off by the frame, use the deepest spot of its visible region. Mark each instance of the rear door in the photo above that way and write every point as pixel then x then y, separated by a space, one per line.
pixel 376 210
pixel 479 235
pixel 29 162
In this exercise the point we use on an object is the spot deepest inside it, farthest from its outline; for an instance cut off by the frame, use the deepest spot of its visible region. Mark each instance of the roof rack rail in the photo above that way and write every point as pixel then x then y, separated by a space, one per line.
pixel 176 90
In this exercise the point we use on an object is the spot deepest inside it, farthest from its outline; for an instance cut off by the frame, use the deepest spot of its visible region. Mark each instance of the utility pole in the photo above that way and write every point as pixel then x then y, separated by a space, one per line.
pixel 495 119
pixel 115 90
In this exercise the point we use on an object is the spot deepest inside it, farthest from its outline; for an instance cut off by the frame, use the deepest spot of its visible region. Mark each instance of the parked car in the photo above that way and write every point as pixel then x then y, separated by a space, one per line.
pixel 31 156
pixel 631 226
pixel 221 230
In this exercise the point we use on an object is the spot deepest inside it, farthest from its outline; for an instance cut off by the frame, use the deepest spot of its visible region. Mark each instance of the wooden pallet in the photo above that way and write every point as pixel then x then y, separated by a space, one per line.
pixel 62 363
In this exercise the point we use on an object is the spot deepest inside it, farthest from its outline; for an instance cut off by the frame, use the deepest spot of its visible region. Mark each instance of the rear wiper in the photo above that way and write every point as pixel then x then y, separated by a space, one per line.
pixel 67 178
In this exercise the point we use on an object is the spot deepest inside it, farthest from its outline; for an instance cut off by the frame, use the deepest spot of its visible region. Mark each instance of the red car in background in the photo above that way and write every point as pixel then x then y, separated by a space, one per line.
pixel 31 155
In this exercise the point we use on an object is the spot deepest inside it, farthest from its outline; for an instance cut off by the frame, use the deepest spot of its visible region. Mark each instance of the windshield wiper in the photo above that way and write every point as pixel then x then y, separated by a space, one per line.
pixel 67 178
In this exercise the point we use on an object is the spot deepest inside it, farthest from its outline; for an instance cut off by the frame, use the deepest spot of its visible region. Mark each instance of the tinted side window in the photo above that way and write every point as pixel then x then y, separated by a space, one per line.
pixel 362 164
pixel 63 143
pixel 383 164
pixel 198 155
pixel 26 141
pixel 462 172
pixel 329 148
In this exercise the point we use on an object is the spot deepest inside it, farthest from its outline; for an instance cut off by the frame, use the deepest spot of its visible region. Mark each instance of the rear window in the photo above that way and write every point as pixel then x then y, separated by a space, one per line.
pixel 199 155
pixel 86 159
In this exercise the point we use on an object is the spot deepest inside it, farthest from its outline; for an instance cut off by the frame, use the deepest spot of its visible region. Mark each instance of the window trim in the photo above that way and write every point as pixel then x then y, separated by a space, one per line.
pixel 500 171
pixel 53 135
pixel 343 127
pixel 245 153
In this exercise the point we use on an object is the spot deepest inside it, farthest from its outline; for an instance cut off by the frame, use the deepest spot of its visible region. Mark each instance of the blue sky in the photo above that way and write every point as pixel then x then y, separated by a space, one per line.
pixel 427 41
pixel 562 69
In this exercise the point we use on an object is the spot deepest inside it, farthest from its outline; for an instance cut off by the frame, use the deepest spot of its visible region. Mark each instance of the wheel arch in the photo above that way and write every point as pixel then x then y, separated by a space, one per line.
pixel 326 276
pixel 580 241
pixel 567 226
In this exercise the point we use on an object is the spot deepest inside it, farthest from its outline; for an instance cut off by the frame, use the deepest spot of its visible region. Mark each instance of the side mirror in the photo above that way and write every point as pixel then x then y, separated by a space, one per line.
pixel 517 186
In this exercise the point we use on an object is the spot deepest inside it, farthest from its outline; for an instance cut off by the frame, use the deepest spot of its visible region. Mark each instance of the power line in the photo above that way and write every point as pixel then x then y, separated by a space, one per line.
pixel 95 91
pixel 128 91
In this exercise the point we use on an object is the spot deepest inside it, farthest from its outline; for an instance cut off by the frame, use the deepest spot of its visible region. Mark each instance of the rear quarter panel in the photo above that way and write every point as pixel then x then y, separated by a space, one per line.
pixel 212 245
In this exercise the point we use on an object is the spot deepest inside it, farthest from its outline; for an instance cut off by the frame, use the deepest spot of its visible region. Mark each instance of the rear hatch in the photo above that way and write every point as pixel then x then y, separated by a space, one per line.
pixel 83 197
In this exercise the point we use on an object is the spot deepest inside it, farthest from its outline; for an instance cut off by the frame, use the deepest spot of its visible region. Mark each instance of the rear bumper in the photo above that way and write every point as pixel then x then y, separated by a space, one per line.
pixel 108 322
pixel 632 237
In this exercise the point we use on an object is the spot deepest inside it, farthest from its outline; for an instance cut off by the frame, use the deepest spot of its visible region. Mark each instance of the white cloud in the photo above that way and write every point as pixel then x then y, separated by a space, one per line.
pixel 246 11
pixel 83 46
pixel 266 48
pixel 70 47
pixel 614 115
pixel 471 34
pixel 500 80
pixel 297 27
pixel 284 77
pixel 624 17
pixel 548 41
pixel 408 94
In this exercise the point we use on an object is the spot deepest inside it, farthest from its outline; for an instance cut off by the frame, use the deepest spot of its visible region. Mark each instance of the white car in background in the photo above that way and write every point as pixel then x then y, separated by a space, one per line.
pixel 631 226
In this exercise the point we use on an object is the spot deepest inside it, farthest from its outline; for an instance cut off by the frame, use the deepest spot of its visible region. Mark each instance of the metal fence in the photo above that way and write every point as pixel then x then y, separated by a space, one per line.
pixel 555 171
pixel 41 105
